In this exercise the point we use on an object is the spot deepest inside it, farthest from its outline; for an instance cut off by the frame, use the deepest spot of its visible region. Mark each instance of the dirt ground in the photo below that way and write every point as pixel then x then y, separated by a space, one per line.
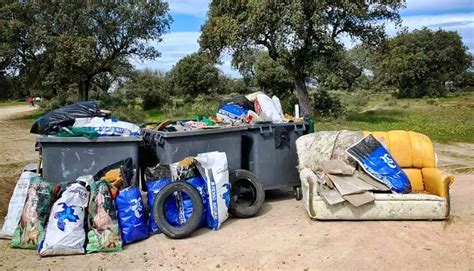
pixel 281 237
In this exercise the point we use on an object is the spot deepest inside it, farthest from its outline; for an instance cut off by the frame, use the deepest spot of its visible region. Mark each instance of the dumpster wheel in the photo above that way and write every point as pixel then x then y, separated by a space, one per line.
pixel 247 194
pixel 298 192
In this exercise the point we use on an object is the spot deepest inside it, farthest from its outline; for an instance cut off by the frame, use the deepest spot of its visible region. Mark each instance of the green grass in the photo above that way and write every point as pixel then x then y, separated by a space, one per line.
pixel 447 120
pixel 3 104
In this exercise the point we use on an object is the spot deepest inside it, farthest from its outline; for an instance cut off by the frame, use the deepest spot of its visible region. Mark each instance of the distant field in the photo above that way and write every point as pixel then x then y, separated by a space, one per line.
pixel 3 104
pixel 444 120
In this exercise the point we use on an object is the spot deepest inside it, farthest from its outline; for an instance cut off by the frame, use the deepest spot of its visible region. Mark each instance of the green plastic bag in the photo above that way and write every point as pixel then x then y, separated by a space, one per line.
pixel 86 132
pixel 35 213
pixel 104 231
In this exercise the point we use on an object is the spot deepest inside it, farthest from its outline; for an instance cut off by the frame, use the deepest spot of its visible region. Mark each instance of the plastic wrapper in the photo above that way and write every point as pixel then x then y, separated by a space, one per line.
pixel 16 204
pixel 213 168
pixel 108 127
pixel 379 163
pixel 266 108
pixel 35 212
pixel 104 232
pixel 231 112
pixel 51 122
pixel 241 101
pixel 65 234
pixel 158 173
pixel 131 216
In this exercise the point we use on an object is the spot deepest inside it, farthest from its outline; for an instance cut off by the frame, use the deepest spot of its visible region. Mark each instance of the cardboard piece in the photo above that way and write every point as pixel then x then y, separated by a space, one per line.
pixel 331 196
pixel 377 186
pixel 360 198
pixel 337 167
pixel 344 185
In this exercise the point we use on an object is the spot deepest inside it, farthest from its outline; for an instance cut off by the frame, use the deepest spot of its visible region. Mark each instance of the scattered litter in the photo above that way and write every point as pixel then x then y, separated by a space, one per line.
pixel 108 127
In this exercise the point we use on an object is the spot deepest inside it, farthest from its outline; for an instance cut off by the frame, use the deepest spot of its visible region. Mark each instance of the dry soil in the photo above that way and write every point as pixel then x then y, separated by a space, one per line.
pixel 281 237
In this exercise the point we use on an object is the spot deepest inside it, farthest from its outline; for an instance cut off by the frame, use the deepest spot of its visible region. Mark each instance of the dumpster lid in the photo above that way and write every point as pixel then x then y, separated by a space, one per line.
pixel 197 132
pixel 57 139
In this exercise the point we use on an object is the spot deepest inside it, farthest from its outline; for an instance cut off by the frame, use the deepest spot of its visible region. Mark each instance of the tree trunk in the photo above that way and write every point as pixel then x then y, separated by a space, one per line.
pixel 84 90
pixel 303 97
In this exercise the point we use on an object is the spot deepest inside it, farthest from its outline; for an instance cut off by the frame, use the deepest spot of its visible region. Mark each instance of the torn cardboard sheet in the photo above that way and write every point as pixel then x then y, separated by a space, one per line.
pixel 344 185
pixel 337 167
pixel 359 199
pixel 331 196
pixel 378 186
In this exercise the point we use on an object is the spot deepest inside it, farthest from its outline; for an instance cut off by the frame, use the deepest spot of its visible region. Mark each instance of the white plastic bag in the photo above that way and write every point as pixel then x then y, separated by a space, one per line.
pixel 15 207
pixel 266 108
pixel 108 127
pixel 277 103
pixel 213 168
pixel 65 234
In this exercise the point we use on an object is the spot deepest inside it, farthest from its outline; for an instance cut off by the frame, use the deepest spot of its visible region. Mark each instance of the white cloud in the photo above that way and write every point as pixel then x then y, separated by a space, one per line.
pixel 426 6
pixel 191 7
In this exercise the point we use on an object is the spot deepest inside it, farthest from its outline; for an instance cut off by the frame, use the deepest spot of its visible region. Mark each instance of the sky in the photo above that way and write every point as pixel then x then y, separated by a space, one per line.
pixel 189 15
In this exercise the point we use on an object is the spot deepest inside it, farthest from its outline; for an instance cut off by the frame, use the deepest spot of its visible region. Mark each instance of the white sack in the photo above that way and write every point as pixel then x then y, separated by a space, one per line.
pixel 265 106
pixel 65 234
pixel 213 168
pixel 108 127
pixel 15 207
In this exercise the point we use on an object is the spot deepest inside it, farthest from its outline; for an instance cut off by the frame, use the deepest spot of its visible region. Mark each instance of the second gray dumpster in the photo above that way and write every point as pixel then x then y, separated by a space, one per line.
pixel 66 158
pixel 171 147
pixel 269 151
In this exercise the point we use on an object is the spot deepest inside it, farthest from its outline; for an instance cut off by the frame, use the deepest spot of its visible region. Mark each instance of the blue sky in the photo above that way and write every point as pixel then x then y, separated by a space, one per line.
pixel 188 15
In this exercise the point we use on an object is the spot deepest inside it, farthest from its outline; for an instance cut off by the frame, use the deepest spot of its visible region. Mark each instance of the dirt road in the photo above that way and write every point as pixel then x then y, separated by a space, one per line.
pixel 281 237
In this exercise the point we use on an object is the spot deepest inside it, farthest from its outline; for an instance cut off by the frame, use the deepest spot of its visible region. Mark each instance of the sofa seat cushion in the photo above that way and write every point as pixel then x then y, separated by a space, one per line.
pixel 416 179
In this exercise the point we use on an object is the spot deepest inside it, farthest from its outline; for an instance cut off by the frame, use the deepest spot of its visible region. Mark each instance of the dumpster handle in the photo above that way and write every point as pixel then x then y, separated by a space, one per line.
pixel 302 127
pixel 159 139
pixel 266 131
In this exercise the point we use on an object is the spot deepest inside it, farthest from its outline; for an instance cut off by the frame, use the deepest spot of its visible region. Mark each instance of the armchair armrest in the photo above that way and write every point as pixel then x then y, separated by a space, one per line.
pixel 437 182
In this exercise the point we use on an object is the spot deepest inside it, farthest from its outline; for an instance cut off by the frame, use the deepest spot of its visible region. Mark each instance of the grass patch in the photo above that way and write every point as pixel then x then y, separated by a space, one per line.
pixel 3 104
pixel 449 120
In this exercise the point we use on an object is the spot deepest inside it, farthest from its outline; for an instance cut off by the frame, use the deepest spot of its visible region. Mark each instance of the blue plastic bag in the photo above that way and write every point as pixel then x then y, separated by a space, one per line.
pixel 131 216
pixel 178 208
pixel 379 163
pixel 154 187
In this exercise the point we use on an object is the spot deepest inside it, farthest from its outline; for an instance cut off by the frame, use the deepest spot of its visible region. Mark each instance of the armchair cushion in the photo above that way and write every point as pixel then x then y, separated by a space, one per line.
pixel 416 179
pixel 437 182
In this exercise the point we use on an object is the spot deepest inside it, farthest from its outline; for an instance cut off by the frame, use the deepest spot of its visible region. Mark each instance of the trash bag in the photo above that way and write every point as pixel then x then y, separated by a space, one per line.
pixel 158 172
pixel 231 112
pixel 51 122
pixel 120 174
pixel 379 163
pixel 78 132
pixel 213 167
pixel 30 230
pixel 104 233
pixel 108 127
pixel 131 216
pixel 65 234
pixel 15 207
pixel 153 188
pixel 240 100
pixel 266 107
pixel 184 169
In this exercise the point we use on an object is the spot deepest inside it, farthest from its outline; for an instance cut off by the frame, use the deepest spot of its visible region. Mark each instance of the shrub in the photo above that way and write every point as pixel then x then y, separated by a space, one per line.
pixel 327 105
pixel 130 114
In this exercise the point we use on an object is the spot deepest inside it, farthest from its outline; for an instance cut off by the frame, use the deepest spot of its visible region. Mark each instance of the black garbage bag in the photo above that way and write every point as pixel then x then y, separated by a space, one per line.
pixel 120 174
pixel 51 122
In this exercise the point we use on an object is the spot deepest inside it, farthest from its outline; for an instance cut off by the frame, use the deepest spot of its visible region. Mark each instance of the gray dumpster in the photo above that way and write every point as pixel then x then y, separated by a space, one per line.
pixel 171 147
pixel 269 151
pixel 66 158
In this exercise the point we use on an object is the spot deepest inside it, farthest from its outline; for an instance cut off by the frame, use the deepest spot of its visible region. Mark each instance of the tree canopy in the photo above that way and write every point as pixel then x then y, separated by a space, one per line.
pixel 72 45
pixel 419 63
pixel 296 33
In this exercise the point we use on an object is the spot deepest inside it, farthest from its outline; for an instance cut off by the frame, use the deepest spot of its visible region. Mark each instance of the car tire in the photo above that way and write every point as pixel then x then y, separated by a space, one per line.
pixel 245 186
pixel 159 210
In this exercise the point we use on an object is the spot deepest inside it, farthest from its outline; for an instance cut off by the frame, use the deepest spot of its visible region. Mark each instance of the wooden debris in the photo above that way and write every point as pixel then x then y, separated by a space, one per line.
pixel 337 167
pixel 331 196
pixel 328 181
pixel 359 199
pixel 378 186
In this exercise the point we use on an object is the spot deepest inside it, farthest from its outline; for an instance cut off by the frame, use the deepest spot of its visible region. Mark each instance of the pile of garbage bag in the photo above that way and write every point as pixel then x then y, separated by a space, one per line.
pixel 82 119
pixel 106 211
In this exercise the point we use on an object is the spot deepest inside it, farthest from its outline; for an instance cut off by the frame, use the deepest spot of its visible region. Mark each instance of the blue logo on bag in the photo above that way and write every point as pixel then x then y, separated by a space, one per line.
pixel 136 207
pixel 66 214
pixel 226 194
